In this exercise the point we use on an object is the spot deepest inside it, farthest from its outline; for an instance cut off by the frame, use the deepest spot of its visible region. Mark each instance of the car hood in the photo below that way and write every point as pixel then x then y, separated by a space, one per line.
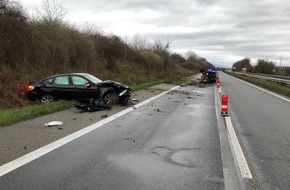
pixel 114 83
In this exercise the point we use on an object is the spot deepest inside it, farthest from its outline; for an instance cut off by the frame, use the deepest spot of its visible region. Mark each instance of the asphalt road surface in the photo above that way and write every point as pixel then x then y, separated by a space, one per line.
pixel 263 127
pixel 171 142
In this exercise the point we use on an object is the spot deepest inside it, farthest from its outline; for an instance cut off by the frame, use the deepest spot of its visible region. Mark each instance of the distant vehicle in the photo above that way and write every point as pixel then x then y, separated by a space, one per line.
pixel 78 86
pixel 208 76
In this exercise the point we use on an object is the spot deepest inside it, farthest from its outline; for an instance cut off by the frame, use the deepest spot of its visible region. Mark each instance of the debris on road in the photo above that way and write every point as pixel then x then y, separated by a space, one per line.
pixel 194 81
pixel 104 116
pixel 53 123
pixel 93 106
pixel 201 85
pixel 133 101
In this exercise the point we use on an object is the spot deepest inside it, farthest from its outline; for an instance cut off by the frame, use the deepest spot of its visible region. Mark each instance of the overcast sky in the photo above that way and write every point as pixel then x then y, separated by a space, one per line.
pixel 222 31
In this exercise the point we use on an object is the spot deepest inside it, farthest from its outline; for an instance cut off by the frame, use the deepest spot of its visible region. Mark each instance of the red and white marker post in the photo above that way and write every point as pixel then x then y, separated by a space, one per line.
pixel 224 105
pixel 218 83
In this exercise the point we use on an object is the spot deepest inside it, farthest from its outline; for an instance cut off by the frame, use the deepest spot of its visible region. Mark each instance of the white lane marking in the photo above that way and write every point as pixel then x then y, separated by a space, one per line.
pixel 10 166
pixel 242 162
pixel 239 154
pixel 230 178
pixel 262 89
pixel 220 91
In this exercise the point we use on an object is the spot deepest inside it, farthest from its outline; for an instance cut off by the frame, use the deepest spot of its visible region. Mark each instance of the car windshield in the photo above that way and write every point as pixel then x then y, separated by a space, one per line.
pixel 93 78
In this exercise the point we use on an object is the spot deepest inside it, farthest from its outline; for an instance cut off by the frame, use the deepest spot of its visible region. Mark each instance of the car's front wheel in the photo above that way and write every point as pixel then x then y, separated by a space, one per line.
pixel 124 101
pixel 46 98
pixel 111 98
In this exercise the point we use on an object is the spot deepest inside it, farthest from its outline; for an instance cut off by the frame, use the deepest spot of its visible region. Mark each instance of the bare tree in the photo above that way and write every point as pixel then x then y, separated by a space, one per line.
pixel 190 54
pixel 126 49
pixel 161 46
pixel 264 66
pixel 92 29
pixel 138 43
pixel 243 64
pixel 52 12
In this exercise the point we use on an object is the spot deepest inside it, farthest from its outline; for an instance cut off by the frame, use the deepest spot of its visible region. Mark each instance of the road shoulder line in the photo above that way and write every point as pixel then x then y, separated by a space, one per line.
pixel 231 180
pixel 236 147
pixel 242 162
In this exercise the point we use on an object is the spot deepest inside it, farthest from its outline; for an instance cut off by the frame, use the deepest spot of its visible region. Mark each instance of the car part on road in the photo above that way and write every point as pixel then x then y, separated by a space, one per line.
pixel 93 106
pixel 53 123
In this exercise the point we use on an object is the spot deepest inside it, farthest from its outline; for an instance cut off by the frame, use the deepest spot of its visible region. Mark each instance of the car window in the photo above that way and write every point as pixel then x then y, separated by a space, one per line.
pixel 61 80
pixel 93 78
pixel 77 80
pixel 48 81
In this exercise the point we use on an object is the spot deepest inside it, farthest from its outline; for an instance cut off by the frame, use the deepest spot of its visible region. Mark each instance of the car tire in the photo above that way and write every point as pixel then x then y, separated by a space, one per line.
pixel 111 98
pixel 46 98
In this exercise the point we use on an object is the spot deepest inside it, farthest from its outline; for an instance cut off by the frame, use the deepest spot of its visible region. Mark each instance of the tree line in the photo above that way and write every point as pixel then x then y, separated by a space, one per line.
pixel 262 66
pixel 35 47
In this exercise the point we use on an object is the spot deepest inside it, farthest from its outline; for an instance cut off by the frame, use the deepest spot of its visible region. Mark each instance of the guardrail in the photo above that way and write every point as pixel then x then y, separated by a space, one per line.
pixel 274 78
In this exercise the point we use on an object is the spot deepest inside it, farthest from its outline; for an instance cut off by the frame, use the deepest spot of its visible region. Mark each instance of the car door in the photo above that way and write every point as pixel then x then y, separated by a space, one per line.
pixel 83 88
pixel 62 88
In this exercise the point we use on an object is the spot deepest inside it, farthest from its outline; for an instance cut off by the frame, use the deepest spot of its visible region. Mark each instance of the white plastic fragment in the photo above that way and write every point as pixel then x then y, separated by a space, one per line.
pixel 53 123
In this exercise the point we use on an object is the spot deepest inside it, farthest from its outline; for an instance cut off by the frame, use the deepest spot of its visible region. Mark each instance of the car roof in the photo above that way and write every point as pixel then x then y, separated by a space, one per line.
pixel 63 74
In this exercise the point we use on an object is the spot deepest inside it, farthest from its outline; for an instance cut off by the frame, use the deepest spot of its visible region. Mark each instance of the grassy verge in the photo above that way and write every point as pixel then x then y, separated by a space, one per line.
pixel 147 84
pixel 272 86
pixel 14 115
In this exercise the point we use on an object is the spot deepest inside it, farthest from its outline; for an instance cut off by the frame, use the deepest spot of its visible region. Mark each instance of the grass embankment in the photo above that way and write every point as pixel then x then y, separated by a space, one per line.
pixel 272 86
pixel 14 115
pixel 147 84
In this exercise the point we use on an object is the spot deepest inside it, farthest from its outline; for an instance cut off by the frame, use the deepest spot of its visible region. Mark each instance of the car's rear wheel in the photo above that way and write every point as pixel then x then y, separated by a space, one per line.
pixel 111 98
pixel 46 98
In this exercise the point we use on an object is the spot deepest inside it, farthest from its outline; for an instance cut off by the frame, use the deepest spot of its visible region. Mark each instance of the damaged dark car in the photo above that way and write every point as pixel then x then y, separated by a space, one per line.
pixel 78 86
pixel 208 76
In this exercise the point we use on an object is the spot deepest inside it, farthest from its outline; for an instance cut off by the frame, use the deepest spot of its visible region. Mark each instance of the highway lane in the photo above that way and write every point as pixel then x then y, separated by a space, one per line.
pixel 263 126
pixel 170 143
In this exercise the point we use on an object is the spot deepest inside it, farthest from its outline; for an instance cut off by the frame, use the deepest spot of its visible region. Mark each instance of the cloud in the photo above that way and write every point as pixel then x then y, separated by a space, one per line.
pixel 229 29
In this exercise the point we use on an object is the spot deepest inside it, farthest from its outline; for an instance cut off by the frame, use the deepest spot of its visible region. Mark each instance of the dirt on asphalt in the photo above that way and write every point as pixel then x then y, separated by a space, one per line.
pixel 24 137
